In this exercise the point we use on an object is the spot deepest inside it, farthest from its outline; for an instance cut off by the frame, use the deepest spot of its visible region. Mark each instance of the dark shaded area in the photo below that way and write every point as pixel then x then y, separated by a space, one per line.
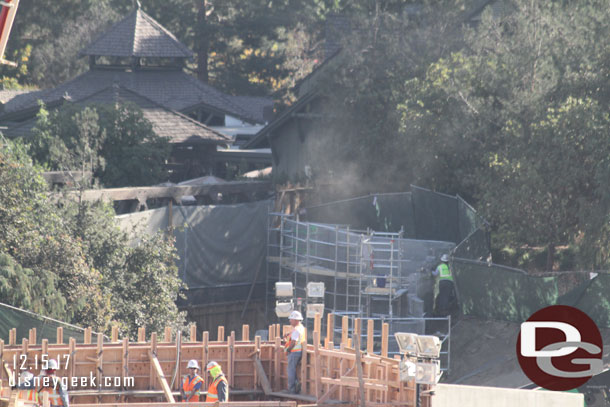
pixel 11 317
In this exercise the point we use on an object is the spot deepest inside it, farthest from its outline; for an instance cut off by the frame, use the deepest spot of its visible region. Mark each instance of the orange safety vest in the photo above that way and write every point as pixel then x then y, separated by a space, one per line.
pixel 213 389
pixel 29 395
pixel 299 345
pixel 189 387
pixel 54 397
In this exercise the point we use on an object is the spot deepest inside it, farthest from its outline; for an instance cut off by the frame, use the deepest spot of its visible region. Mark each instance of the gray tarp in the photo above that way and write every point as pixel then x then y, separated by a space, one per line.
pixel 217 245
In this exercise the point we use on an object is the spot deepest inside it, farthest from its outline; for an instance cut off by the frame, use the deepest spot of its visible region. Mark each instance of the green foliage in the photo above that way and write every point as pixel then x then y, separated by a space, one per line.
pixel 116 143
pixel 22 288
pixel 71 261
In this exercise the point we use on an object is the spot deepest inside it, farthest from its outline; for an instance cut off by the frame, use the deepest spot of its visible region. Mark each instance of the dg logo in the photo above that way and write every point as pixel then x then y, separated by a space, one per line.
pixel 560 348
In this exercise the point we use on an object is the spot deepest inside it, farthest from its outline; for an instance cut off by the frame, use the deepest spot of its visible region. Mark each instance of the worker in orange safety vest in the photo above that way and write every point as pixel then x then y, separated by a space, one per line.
pixel 58 394
pixel 27 389
pixel 191 386
pixel 219 388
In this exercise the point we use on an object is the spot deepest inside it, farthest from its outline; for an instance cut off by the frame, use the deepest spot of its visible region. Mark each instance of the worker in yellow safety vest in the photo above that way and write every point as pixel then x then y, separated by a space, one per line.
pixel 58 394
pixel 27 389
pixel 191 386
pixel 297 341
pixel 219 388
pixel 444 288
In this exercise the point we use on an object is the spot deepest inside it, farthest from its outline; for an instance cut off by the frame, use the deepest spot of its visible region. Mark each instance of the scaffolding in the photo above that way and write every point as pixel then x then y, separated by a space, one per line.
pixel 367 275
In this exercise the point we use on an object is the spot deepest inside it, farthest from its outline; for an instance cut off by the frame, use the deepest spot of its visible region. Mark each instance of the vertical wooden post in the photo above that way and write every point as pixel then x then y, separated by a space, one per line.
pixel 359 369
pixel 317 327
pixel 44 348
pixel 278 330
pixel 12 337
pixel 32 338
pixel 45 399
pixel 245 333
pixel 25 347
pixel 231 357
pixel 152 383
pixel 257 349
pixel 304 359
pixel 179 359
pixel 87 336
pixel 204 359
pixel 370 340
pixel 358 332
pixel 142 334
pixel 276 368
pixel 1 359
pixel 193 333
pixel 221 333
pixel 114 336
pixel 60 335
pixel 125 358
pixel 99 363
pixel 271 332
pixel 316 364
pixel 385 329
pixel 330 330
pixel 344 329
pixel 167 335
pixel 72 364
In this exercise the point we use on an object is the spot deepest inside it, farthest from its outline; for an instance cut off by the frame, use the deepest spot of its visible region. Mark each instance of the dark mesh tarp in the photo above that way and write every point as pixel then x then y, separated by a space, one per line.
pixel 496 292
pixel 382 213
pixel 46 328
pixel 474 247
pixel 217 245
pixel 436 215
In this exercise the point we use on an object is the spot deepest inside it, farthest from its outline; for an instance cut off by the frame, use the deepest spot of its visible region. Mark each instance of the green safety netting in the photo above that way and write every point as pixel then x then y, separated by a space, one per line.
pixel 497 292
pixel 11 317
pixel 421 214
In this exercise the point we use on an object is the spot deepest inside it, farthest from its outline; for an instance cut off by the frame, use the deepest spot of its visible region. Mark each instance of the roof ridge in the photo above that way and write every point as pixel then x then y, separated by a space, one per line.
pixel 163 30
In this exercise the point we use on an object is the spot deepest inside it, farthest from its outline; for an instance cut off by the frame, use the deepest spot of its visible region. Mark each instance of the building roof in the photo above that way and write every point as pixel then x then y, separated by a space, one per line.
pixel 173 89
pixel 256 106
pixel 175 126
pixel 137 35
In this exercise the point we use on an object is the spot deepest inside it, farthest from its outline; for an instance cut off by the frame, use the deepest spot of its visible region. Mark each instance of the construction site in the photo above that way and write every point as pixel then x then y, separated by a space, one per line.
pixel 366 297
pixel 359 273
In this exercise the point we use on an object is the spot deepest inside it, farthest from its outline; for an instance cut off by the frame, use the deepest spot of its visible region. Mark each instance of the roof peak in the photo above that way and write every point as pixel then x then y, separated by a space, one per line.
pixel 137 35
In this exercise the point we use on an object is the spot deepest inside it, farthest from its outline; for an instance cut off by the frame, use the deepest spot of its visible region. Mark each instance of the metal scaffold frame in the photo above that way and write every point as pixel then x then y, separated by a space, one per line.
pixel 365 272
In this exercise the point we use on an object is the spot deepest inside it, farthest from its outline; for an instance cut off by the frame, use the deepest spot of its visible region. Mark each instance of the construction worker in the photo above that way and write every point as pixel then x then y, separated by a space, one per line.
pixel 219 388
pixel 191 387
pixel 294 348
pixel 51 383
pixel 27 388
pixel 444 288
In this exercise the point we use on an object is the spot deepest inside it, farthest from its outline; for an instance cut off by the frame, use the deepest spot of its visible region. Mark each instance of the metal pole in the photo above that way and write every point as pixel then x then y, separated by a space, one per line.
pixel 306 269
pixel 449 344
pixel 391 275
pixel 336 265
pixel 360 279
pixel 347 271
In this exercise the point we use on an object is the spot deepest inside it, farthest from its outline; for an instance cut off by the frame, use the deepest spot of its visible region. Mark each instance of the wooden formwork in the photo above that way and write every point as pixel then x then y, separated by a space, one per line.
pixel 330 372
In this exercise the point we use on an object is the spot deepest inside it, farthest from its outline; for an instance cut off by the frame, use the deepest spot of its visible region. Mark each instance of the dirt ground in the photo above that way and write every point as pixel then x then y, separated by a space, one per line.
pixel 483 353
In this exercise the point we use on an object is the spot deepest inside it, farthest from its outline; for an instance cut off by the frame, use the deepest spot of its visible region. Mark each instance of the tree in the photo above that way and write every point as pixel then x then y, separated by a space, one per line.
pixel 517 120
pixel 71 261
pixel 116 143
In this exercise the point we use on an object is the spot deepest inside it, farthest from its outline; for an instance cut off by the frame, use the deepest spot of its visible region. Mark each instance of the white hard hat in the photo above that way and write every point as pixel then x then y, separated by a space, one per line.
pixel 211 365
pixel 192 364
pixel 445 257
pixel 296 315
pixel 53 364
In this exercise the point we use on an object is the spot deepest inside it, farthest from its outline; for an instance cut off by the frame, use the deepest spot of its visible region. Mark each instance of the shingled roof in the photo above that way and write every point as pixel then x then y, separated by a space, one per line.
pixel 137 35
pixel 176 127
pixel 173 89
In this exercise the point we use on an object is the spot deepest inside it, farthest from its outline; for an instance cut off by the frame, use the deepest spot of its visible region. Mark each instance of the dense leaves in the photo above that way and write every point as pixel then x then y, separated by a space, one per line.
pixel 69 259
pixel 115 142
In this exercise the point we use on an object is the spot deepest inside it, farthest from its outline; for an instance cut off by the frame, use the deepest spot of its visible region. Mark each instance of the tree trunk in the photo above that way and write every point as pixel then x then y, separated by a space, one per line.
pixel 550 257
pixel 202 43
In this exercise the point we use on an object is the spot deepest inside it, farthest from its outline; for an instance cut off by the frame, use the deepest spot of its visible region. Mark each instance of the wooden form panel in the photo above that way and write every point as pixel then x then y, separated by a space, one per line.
pixel 327 372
